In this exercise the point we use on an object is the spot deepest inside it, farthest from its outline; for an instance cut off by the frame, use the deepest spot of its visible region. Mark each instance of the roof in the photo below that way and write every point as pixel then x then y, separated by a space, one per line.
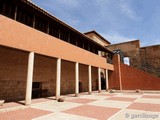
pixel 123 42
pixel 93 31
pixel 157 45
pixel 63 23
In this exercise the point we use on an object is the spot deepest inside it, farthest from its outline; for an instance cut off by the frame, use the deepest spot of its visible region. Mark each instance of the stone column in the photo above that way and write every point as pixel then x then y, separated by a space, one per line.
pixel 58 78
pixel 77 79
pixel 15 14
pixel 29 79
pixel 48 28
pixel 106 72
pixel 34 21
pixel 90 79
pixel 99 79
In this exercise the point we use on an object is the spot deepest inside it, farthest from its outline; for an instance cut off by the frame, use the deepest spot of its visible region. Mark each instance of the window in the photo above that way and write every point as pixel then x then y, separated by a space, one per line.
pixel 7 10
pixel 126 60
pixel 40 24
pixel 24 17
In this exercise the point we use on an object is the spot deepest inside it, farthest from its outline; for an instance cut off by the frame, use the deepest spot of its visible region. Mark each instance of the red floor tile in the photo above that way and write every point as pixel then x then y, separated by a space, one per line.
pixel 122 99
pixel 20 103
pixel 101 94
pixel 145 106
pixel 96 112
pixel 25 114
pixel 151 96
pixel 10 104
pixel 81 100
pixel 134 93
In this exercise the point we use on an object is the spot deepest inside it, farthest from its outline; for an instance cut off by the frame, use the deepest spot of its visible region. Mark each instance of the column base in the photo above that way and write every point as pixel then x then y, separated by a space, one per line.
pixel 99 91
pixel 107 90
pixel 57 97
pixel 76 95
pixel 27 104
pixel 89 93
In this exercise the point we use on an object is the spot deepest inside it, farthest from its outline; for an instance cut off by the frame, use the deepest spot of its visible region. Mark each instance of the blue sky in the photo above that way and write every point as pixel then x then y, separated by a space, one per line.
pixel 116 20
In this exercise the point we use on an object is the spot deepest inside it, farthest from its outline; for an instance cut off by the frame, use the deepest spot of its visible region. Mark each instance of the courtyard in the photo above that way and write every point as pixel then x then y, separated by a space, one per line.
pixel 124 105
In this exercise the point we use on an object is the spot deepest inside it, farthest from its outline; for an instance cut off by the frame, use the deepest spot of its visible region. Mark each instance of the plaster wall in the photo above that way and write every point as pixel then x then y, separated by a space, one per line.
pixel 29 39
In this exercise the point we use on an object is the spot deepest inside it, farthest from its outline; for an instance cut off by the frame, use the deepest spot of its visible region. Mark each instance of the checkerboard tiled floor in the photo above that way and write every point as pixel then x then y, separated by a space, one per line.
pixel 98 106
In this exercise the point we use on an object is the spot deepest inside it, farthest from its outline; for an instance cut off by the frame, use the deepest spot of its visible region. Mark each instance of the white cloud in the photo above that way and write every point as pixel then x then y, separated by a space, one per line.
pixel 127 9
pixel 70 3
pixel 117 38
pixel 150 42
pixel 102 2
pixel 72 21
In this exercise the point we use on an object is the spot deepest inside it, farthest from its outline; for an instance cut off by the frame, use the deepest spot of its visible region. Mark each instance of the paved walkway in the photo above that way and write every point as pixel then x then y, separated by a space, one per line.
pixel 98 106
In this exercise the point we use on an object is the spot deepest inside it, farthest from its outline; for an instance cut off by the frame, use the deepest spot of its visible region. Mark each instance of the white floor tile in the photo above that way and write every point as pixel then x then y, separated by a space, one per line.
pixel 148 100
pixel 110 103
pixel 129 114
pixel 55 106
pixel 63 116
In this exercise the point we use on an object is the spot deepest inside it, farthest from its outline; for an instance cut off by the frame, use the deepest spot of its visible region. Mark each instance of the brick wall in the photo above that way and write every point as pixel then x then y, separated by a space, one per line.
pixel 130 78
pixel 13 74
pixel 144 58
pixel 83 78
pixel 114 76
pixel 67 77
pixel 133 78
pixel 94 78
pixel 45 72
pixel 149 60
